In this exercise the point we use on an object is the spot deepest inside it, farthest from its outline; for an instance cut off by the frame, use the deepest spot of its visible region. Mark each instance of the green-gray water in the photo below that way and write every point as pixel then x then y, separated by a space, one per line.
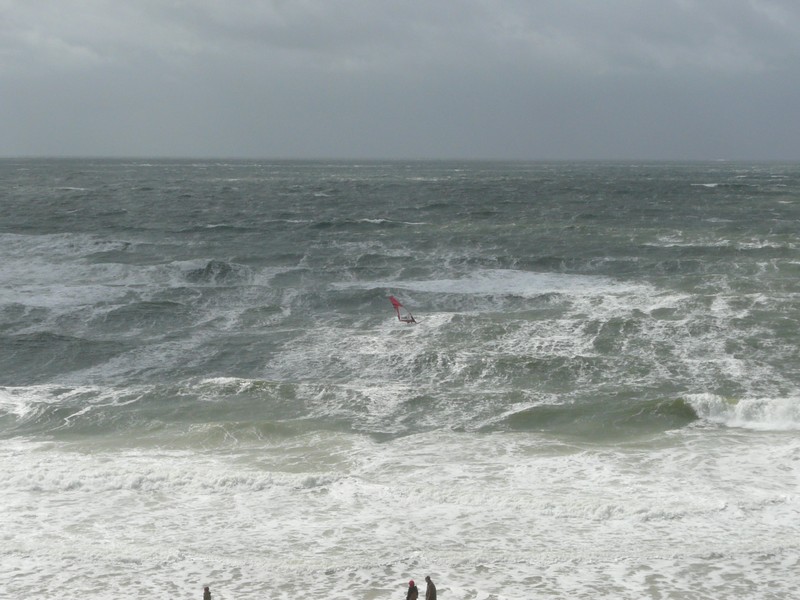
pixel 202 380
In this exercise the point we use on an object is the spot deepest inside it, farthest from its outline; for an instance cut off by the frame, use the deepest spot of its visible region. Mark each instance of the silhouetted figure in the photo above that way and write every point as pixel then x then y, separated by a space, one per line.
pixel 413 592
pixel 430 591
pixel 206 593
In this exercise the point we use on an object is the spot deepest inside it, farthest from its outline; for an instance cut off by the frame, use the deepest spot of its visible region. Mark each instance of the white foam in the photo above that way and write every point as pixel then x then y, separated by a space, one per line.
pixel 680 241
pixel 472 351
pixel 22 401
pixel 765 414
pixel 338 515
pixel 504 281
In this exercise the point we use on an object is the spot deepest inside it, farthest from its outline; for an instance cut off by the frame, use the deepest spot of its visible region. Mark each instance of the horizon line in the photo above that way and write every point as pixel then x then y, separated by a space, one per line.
pixel 213 158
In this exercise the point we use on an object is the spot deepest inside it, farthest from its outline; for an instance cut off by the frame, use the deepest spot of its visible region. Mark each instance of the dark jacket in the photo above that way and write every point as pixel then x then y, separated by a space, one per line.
pixel 413 593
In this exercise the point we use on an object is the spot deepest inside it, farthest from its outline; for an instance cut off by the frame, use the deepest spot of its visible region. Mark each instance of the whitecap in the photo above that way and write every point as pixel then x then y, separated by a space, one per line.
pixel 763 414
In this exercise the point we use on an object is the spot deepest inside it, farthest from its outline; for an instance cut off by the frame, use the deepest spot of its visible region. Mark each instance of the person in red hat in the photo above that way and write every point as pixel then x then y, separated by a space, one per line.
pixel 413 592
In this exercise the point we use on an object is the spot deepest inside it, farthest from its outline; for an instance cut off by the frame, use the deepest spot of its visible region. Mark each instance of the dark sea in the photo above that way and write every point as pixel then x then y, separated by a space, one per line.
pixel 203 382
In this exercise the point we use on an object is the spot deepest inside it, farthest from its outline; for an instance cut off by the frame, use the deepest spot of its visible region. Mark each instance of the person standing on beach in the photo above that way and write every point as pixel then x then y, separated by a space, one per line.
pixel 430 591
pixel 206 593
pixel 413 592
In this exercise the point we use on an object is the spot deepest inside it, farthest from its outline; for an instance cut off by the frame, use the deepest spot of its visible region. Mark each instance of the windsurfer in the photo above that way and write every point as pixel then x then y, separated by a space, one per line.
pixel 403 313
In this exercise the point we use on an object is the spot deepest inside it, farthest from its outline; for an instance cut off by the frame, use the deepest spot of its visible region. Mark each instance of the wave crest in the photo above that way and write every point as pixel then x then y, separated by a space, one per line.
pixel 766 414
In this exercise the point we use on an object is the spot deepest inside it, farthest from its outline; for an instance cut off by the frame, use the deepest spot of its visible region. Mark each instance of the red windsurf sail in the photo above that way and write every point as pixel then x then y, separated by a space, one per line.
pixel 402 312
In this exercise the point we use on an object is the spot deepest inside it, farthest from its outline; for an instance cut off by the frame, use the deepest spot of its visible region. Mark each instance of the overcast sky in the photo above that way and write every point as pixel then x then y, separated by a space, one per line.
pixel 474 79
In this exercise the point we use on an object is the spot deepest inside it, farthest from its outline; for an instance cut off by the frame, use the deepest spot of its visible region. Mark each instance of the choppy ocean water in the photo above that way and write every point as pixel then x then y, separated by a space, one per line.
pixel 202 381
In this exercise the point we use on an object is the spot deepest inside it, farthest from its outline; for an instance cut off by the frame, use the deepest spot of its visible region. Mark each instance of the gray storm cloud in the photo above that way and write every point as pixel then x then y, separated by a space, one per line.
pixel 356 79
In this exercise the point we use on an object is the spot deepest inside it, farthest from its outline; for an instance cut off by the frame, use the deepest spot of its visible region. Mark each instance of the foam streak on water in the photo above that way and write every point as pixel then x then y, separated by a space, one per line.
pixel 202 381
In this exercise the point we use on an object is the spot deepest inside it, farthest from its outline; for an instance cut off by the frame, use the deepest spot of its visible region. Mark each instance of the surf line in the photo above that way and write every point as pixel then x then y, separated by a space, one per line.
pixel 403 313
